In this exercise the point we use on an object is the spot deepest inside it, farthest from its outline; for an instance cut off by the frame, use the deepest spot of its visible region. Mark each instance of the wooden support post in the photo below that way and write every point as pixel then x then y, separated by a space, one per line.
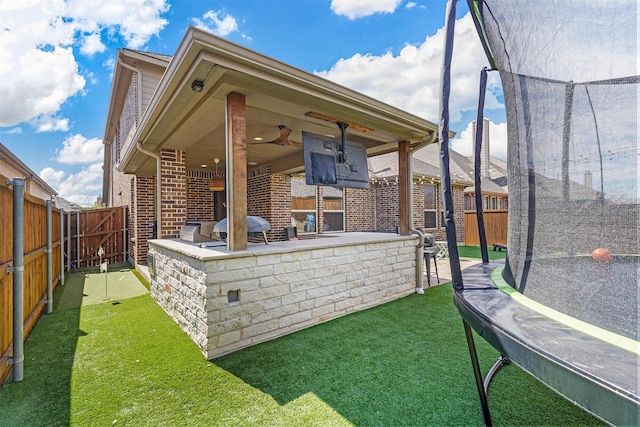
pixel 236 172
pixel 404 183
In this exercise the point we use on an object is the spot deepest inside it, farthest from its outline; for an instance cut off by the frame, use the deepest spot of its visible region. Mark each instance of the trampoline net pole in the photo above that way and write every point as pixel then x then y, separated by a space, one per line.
pixel 478 375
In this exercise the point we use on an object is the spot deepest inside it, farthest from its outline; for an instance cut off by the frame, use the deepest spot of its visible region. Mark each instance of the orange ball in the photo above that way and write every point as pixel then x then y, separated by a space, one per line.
pixel 601 255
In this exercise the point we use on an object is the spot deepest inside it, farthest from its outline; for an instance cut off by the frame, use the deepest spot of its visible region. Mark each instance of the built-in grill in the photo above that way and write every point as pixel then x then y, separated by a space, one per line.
pixel 256 226
pixel 199 231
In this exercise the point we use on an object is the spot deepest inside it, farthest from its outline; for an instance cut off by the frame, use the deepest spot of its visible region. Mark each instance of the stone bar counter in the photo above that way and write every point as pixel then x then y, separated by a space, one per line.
pixel 226 301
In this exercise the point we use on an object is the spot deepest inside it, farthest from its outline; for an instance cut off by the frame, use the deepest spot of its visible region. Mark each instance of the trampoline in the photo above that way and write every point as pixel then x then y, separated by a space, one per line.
pixel 564 304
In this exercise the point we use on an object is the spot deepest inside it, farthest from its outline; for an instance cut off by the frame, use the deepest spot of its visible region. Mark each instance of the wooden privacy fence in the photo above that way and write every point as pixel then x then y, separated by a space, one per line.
pixel 495 225
pixel 35 266
pixel 86 232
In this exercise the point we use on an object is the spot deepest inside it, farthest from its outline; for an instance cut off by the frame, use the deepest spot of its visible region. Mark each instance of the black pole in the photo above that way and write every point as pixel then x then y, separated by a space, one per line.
pixel 343 142
pixel 447 197
pixel 477 163
pixel 478 375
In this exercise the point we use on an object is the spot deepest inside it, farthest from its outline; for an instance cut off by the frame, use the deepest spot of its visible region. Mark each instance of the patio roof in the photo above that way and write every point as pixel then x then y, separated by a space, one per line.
pixel 276 94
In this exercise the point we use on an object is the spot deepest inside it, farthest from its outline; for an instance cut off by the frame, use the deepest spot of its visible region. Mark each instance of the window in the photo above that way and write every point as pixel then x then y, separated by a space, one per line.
pixel 333 203
pixel 430 206
pixel 303 206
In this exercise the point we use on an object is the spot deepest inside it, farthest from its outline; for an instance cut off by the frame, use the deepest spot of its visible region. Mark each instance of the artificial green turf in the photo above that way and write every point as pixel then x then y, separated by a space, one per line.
pixel 474 252
pixel 402 363
pixel 89 286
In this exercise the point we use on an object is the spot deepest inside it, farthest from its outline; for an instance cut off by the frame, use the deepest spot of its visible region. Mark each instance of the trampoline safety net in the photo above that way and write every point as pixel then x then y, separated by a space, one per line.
pixel 565 306
pixel 570 78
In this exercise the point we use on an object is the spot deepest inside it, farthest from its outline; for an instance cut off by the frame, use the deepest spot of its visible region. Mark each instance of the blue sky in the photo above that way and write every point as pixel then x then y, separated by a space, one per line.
pixel 58 57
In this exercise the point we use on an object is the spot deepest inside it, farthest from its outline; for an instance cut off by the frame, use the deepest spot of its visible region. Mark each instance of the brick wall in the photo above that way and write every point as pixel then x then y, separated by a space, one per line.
pixel 174 192
pixel 387 216
pixel 186 197
pixel 458 212
pixel 387 211
pixel 359 209
pixel 143 204
pixel 269 196
pixel 199 197
pixel 277 292
pixel 280 205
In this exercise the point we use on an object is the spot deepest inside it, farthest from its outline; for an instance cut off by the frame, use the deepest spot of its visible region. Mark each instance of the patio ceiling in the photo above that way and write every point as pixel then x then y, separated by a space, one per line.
pixel 276 94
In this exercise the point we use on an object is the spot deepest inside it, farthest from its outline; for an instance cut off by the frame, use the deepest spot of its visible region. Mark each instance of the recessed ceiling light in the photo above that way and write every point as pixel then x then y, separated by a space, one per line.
pixel 203 166
pixel 252 163
pixel 258 138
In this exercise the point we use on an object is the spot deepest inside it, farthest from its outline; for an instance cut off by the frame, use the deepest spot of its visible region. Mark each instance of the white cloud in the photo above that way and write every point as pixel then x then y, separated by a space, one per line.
pixel 463 142
pixel 39 71
pixel 52 176
pixel 82 188
pixel 14 131
pixel 218 23
pixel 47 123
pixel 411 79
pixel 354 9
pixel 77 150
pixel 92 44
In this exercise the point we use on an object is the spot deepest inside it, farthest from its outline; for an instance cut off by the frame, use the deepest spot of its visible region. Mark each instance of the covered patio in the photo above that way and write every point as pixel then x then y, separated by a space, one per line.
pixel 218 100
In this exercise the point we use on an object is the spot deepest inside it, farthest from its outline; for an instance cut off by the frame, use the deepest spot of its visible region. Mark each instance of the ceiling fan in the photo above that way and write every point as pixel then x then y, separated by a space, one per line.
pixel 283 139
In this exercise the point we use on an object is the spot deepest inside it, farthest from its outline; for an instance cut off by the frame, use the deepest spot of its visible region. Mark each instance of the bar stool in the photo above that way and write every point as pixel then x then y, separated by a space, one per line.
pixel 431 252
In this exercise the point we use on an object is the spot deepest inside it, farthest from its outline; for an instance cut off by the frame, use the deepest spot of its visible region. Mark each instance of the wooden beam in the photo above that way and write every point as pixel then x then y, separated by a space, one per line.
pixel 236 113
pixel 403 186
pixel 355 126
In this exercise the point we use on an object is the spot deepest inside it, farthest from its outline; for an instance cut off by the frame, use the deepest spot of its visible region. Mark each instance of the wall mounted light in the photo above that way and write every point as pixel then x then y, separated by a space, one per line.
pixel 197 85
pixel 216 183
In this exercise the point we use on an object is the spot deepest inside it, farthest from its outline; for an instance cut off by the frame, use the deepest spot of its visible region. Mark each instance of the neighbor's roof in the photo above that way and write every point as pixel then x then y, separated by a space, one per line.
pixel 14 163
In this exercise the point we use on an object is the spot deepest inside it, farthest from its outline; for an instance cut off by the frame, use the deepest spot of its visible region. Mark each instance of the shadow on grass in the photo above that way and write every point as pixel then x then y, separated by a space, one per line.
pixel 50 351
pixel 403 363
pixel 52 343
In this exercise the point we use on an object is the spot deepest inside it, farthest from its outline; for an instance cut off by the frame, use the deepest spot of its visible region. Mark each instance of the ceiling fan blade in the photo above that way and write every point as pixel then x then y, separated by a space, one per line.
pixel 282 140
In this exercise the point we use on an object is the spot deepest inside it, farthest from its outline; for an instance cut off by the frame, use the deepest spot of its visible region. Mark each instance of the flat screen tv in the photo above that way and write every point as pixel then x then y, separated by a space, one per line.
pixel 326 164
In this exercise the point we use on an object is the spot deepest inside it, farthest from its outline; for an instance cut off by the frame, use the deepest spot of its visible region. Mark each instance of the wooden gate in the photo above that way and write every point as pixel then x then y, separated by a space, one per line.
pixel 91 229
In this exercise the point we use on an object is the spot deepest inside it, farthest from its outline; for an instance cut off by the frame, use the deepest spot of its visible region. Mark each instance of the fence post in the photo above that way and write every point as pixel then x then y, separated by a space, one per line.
pixel 78 258
pixel 18 278
pixel 68 241
pixel 124 234
pixel 49 259
pixel 61 214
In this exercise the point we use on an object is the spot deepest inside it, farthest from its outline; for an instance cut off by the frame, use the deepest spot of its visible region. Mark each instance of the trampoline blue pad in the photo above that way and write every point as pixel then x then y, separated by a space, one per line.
pixel 596 375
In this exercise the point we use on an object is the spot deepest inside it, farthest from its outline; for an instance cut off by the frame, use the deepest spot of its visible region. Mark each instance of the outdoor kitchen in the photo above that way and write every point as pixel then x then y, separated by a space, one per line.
pixel 226 300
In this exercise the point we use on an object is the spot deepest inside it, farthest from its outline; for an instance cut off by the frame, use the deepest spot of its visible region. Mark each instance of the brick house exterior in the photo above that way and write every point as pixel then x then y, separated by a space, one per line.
pixel 184 192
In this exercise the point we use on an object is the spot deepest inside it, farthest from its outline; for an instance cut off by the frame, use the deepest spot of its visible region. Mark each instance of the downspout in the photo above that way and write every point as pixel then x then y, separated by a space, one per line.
pixel 420 245
pixel 147 152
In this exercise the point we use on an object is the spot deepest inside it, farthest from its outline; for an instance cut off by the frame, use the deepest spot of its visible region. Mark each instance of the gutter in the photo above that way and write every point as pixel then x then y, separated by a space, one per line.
pixel 420 245
pixel 147 152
